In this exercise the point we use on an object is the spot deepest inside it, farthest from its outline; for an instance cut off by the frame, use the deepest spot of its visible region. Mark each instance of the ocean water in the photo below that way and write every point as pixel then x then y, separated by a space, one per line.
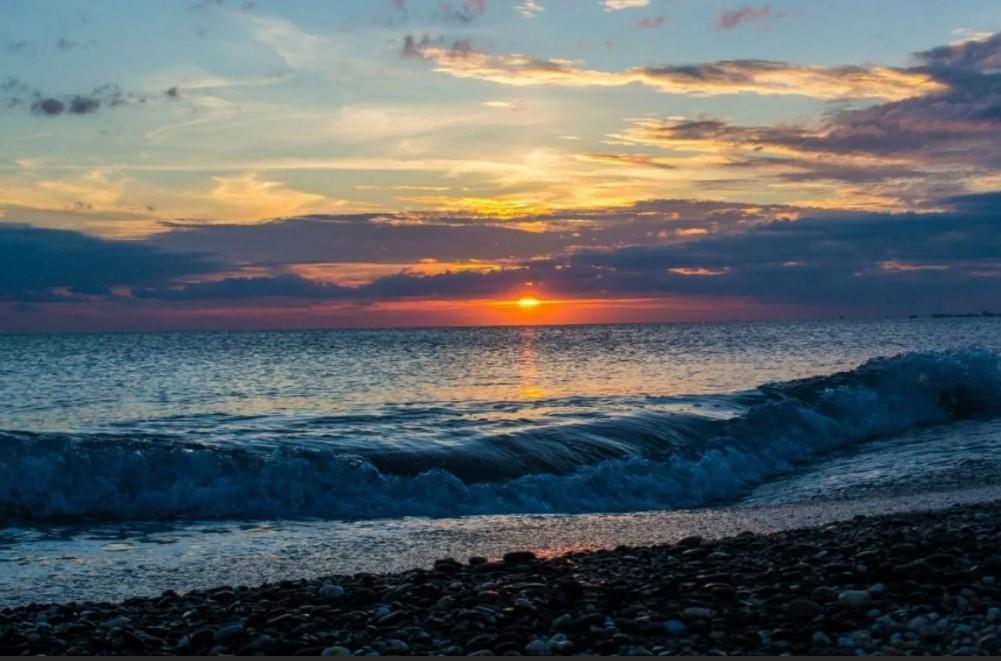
pixel 146 454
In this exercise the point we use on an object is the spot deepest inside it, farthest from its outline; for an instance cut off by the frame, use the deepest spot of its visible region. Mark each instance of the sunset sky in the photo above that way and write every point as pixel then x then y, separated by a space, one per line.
pixel 287 163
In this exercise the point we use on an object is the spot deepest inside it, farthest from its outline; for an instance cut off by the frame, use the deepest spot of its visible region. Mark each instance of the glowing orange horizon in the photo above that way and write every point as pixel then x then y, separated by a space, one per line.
pixel 528 302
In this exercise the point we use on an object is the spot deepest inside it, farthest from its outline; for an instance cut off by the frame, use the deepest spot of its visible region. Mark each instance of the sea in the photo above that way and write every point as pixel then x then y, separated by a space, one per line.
pixel 134 463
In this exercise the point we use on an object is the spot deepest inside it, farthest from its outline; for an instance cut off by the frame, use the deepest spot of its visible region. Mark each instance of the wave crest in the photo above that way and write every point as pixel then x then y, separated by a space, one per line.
pixel 636 463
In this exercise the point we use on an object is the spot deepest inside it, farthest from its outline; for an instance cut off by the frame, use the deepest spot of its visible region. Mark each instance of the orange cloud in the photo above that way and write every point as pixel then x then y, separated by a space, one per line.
pixel 709 79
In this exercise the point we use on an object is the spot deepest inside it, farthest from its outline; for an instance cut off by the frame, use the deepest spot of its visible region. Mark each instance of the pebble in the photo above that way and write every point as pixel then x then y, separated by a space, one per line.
pixel 697 613
pixel 228 633
pixel 804 609
pixel 795 592
pixel 331 592
pixel 537 647
pixel 336 650
pixel 855 598
pixel 676 627
pixel 518 557
pixel 821 638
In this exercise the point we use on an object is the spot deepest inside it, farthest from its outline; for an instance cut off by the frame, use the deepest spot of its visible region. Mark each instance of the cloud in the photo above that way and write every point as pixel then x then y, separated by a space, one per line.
pixel 529 8
pixel 242 288
pixel 835 262
pixel 981 54
pixel 247 196
pixel 202 5
pixel 20 47
pixel 905 153
pixel 847 263
pixel 15 93
pixel 651 22
pixel 745 15
pixel 51 265
pixel 461 60
pixel 616 5
pixel 466 12
pixel 74 105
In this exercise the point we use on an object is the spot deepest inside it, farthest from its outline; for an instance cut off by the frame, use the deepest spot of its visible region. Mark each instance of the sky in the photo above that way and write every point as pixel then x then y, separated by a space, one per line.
pixel 173 164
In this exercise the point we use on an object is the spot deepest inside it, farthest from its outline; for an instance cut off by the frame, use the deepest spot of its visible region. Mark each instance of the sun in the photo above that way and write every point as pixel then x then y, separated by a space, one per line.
pixel 528 302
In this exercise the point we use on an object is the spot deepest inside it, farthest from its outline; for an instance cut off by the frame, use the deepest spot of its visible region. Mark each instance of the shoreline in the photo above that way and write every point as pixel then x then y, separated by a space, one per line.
pixel 892 583
pixel 117 561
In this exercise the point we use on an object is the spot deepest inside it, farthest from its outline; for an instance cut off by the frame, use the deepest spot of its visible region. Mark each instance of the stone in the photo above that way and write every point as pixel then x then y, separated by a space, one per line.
pixel 855 598
pixel 821 639
pixel 397 647
pixel 228 633
pixel 698 613
pixel 689 542
pixel 675 627
pixel 331 592
pixel 519 557
pixel 336 650
pixel 804 609
pixel 537 647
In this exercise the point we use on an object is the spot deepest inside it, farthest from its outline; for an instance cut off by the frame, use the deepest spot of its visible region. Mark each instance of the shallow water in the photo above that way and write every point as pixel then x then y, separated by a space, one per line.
pixel 118 451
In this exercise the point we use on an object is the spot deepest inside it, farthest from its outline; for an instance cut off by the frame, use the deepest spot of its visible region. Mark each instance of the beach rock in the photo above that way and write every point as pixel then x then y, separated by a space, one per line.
pixel 697 613
pixel 331 592
pixel 804 609
pixel 675 628
pixel 689 542
pixel 773 595
pixel 448 565
pixel 537 647
pixel 519 557
pixel 228 633
pixel 821 639
pixel 855 598
pixel 336 650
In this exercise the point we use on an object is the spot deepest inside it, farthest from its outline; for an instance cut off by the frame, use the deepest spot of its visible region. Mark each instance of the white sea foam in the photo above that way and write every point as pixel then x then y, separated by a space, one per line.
pixel 80 476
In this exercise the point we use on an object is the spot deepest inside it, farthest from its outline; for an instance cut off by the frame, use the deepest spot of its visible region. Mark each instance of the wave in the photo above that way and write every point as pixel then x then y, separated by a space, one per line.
pixel 631 463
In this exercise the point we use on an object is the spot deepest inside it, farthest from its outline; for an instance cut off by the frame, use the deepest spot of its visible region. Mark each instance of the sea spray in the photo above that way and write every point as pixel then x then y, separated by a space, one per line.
pixel 633 463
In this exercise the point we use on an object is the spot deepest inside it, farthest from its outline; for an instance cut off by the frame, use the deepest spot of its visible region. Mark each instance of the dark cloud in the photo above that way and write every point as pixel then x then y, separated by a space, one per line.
pixel 74 105
pixel 47 265
pixel 976 55
pixel 242 288
pixel 852 263
pixel 82 105
pixel 360 239
pixel 48 107
pixel 447 238
pixel 746 15
pixel 20 47
pixel 414 47
pixel 870 263
pixel 651 22
pixel 66 44
pixel 465 12
pixel 15 93
pixel 945 136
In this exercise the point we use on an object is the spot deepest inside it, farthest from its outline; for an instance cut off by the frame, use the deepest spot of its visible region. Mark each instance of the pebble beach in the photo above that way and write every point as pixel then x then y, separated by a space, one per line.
pixel 913 583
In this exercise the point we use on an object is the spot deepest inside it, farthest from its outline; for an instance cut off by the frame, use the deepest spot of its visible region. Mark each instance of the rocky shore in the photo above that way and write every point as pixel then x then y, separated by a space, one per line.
pixel 923 582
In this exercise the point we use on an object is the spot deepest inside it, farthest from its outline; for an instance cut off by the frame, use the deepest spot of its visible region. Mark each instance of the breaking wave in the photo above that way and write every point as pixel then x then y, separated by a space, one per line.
pixel 630 463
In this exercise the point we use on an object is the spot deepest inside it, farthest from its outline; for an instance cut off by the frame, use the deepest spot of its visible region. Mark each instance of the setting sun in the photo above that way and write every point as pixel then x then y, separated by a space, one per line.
pixel 527 302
